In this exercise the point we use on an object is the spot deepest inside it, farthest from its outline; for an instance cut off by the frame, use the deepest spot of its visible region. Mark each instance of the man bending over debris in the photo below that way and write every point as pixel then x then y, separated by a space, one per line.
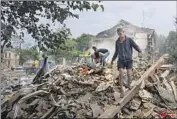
pixel 105 54
pixel 124 50
pixel 97 57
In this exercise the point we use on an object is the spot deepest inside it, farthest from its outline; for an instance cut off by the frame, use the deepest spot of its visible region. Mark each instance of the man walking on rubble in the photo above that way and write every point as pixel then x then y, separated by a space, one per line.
pixel 104 53
pixel 124 50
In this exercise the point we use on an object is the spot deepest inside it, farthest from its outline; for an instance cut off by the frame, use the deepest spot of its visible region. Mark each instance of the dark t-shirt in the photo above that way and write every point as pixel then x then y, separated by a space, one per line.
pixel 124 50
pixel 102 50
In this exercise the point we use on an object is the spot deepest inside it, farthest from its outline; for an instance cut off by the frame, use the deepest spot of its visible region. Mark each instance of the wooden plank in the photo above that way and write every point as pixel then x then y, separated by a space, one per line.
pixel 165 74
pixel 166 66
pixel 129 95
pixel 48 112
pixel 113 110
pixel 174 89
pixel 157 78
pixel 153 78
pixel 173 78
pixel 32 95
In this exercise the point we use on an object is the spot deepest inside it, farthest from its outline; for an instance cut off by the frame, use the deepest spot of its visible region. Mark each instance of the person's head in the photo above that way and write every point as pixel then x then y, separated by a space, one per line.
pixel 94 48
pixel 121 32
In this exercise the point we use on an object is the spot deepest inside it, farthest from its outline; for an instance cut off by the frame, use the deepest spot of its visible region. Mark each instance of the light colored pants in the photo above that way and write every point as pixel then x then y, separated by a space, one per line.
pixel 104 58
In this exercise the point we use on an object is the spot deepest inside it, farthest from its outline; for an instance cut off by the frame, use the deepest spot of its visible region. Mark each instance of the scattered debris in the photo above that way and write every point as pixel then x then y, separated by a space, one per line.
pixel 83 92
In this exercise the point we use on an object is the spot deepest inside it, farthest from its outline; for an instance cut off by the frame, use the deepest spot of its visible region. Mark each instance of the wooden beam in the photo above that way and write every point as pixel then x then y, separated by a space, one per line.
pixel 165 74
pixel 173 78
pixel 113 110
pixel 32 95
pixel 174 89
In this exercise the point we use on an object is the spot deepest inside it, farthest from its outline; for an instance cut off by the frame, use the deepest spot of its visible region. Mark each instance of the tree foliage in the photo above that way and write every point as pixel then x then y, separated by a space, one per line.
pixel 6 34
pixel 84 42
pixel 161 44
pixel 28 54
pixel 67 51
pixel 72 48
pixel 171 43
pixel 168 45
pixel 25 15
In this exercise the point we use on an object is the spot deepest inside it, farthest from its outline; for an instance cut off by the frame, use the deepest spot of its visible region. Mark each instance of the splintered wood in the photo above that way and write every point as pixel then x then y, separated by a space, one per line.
pixel 84 92
pixel 129 95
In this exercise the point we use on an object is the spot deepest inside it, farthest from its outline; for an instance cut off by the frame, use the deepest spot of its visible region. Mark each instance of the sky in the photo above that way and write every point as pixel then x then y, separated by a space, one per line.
pixel 158 15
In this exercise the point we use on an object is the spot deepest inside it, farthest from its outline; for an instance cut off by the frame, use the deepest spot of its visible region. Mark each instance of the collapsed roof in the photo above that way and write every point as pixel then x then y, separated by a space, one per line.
pixel 129 28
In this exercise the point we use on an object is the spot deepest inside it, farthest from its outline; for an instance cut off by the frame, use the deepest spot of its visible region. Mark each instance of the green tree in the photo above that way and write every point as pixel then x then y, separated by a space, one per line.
pixel 72 47
pixel 28 54
pixel 84 42
pixel 25 15
pixel 161 44
pixel 67 50
pixel 171 43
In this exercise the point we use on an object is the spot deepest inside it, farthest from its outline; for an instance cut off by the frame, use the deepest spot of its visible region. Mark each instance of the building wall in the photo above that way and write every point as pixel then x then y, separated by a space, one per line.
pixel 11 59
pixel 141 41
pixel 108 43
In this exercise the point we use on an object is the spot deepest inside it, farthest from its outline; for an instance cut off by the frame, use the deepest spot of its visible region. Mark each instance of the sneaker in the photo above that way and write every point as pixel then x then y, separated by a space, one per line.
pixel 128 86
pixel 121 94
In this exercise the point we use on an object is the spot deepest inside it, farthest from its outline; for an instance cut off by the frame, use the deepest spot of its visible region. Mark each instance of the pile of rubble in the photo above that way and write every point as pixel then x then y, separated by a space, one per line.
pixel 13 80
pixel 83 92
pixel 156 98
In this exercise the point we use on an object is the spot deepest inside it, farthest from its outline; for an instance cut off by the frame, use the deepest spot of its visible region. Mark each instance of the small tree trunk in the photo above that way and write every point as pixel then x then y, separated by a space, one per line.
pixel 2 49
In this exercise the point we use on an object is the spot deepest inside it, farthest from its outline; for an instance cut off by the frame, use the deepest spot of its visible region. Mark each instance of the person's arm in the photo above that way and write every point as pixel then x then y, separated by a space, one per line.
pixel 115 53
pixel 135 46
pixel 101 55
pixel 92 57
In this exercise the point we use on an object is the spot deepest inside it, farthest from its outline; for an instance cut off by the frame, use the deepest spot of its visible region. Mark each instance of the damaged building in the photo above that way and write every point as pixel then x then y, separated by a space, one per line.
pixel 144 37
pixel 10 58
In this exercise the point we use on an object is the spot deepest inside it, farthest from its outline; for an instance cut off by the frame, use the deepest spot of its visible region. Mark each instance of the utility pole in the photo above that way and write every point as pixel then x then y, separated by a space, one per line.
pixel 0 53
pixel 176 17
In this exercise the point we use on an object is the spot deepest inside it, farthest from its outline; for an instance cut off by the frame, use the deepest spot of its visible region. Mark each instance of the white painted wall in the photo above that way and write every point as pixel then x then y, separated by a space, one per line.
pixel 141 41
pixel 11 59
pixel 108 43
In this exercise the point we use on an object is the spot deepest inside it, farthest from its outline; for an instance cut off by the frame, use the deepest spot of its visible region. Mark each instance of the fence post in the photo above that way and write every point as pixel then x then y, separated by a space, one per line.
pixel 64 61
